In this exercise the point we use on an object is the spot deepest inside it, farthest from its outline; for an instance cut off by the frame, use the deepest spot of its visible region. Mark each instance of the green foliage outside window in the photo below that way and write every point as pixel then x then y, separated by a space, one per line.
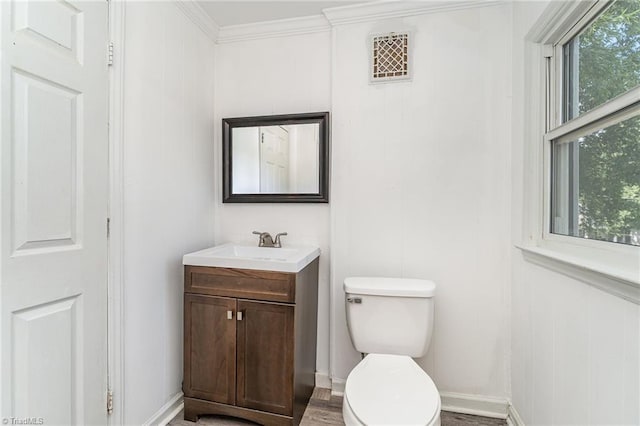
pixel 609 160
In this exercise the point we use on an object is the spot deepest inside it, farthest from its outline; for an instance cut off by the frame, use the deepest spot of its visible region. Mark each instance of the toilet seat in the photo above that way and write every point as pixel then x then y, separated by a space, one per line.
pixel 391 390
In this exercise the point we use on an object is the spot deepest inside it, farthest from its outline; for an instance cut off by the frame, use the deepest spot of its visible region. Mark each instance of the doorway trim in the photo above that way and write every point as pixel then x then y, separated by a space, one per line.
pixel 115 287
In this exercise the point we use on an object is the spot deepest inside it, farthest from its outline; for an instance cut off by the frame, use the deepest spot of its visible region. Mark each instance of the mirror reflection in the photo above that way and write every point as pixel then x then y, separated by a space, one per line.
pixel 276 159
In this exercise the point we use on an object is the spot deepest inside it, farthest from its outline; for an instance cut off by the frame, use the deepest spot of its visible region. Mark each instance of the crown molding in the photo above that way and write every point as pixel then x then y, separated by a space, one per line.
pixel 342 15
pixel 269 29
pixel 198 16
pixel 386 9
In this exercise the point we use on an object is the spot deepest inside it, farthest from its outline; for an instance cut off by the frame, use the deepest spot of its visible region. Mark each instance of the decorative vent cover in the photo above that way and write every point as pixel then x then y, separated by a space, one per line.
pixel 389 57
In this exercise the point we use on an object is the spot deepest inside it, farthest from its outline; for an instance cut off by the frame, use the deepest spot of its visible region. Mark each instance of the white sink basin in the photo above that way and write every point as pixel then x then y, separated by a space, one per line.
pixel 286 259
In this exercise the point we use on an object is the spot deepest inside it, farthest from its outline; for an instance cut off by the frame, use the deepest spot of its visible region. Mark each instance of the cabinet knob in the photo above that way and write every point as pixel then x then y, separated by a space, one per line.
pixel 239 315
pixel 229 315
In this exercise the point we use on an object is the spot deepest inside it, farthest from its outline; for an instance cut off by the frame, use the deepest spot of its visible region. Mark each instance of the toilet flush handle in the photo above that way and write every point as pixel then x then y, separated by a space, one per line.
pixel 354 300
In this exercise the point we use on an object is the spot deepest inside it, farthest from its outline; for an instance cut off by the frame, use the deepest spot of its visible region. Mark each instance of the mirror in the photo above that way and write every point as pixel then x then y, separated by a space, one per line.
pixel 276 159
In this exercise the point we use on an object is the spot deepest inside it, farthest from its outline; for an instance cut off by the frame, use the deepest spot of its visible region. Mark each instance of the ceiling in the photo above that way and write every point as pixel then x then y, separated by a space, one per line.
pixel 245 12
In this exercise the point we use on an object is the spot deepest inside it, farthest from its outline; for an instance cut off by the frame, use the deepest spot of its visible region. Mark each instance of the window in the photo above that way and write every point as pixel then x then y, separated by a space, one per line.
pixel 593 131
pixel 581 174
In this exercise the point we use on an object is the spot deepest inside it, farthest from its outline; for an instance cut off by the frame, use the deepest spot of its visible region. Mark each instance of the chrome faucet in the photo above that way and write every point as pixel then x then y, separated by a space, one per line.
pixel 266 240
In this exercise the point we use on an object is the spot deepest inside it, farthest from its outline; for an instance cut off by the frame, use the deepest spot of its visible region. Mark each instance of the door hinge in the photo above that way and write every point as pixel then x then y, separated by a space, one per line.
pixel 108 227
pixel 110 60
pixel 109 401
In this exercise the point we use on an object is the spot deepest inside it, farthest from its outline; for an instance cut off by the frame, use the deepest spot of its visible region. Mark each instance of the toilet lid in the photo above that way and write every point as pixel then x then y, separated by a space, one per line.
pixel 392 390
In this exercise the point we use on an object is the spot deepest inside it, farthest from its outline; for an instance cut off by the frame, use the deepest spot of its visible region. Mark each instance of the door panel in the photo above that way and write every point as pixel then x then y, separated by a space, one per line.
pixel 54 187
pixel 265 356
pixel 210 348
pixel 274 160
pixel 57 26
pixel 45 167
pixel 45 343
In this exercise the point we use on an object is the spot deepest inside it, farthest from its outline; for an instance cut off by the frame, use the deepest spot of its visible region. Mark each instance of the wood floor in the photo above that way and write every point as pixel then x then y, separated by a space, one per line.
pixel 326 410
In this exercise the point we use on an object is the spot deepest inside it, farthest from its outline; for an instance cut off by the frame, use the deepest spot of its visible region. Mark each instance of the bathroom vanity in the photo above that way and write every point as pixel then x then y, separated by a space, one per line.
pixel 250 334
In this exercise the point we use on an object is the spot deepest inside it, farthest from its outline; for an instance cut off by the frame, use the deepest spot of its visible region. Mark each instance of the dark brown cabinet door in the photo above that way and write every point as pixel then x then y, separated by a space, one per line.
pixel 265 356
pixel 210 348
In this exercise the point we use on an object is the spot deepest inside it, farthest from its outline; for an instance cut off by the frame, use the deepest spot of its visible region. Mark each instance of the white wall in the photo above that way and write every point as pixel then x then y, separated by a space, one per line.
pixel 421 187
pixel 575 349
pixel 420 174
pixel 276 76
pixel 168 192
pixel 246 160
pixel 305 153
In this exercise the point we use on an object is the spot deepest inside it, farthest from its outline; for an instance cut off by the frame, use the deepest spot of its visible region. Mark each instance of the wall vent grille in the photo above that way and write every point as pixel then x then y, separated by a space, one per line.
pixel 389 57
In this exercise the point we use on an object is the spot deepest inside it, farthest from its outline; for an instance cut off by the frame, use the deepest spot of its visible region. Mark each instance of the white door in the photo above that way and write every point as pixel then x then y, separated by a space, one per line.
pixel 54 186
pixel 274 160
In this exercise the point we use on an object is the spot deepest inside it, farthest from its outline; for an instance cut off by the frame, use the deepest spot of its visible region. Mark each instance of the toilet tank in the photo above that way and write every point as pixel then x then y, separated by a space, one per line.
pixel 390 315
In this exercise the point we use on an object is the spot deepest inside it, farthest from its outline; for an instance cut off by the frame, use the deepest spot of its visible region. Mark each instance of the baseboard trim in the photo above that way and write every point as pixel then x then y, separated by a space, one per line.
pixel 337 386
pixel 167 412
pixel 497 408
pixel 514 419
pixel 323 380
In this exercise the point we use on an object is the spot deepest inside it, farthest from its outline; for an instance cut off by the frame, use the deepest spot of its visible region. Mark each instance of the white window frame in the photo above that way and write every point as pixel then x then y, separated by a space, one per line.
pixel 612 267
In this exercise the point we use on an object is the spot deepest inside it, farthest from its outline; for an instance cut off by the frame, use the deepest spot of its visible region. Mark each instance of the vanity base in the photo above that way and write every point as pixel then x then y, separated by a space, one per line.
pixel 250 341
pixel 193 408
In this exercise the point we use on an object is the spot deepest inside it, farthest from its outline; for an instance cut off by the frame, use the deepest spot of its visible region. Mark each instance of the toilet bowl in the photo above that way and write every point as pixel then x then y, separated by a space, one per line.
pixel 390 390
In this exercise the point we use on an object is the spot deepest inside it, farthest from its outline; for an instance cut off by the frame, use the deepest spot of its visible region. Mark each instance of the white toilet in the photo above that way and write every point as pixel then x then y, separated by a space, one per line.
pixel 391 320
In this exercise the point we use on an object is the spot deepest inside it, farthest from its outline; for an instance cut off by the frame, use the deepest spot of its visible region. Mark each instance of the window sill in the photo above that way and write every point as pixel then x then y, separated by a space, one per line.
pixel 620 283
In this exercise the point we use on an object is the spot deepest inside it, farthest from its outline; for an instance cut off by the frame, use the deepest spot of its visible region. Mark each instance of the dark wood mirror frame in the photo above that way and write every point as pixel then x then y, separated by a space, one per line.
pixel 228 124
